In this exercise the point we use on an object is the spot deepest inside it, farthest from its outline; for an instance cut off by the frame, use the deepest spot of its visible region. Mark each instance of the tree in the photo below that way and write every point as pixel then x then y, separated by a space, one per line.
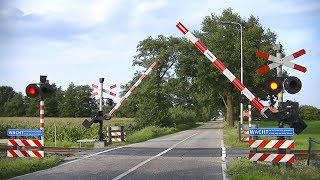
pixel 15 106
pixel 32 106
pixel 67 107
pixel 52 102
pixel 154 102
pixel 309 113
pixel 6 93
pixel 76 102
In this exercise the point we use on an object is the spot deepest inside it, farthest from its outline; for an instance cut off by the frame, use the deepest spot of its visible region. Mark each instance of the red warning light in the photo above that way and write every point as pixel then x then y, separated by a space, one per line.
pixel 32 90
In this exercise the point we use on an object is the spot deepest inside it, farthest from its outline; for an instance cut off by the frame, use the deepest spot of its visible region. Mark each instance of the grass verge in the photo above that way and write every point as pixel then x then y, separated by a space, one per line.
pixel 244 169
pixel 11 167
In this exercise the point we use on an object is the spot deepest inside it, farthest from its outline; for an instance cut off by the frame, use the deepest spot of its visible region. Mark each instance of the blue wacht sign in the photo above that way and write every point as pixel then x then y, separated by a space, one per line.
pixel 271 132
pixel 24 132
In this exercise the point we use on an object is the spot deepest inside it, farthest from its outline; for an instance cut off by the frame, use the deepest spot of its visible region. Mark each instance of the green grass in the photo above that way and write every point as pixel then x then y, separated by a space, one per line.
pixel 11 167
pixel 244 169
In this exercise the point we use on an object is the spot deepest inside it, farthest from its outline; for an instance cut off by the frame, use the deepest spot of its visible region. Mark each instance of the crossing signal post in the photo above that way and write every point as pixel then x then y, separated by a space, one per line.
pixel 40 90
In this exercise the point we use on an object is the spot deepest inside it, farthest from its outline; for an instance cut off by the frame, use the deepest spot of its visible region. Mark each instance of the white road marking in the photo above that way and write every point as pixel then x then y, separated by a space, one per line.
pixel 150 159
pixel 223 162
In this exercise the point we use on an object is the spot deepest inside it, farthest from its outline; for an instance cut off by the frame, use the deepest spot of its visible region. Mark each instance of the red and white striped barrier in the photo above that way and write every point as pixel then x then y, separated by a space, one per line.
pixel 25 142
pixel 133 87
pixel 283 144
pixel 24 153
pixel 277 61
pixel 116 134
pixel 277 158
pixel 222 68
pixel 116 140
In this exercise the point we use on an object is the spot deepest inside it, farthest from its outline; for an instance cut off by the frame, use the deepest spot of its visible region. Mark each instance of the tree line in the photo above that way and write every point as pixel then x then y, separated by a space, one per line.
pixel 76 101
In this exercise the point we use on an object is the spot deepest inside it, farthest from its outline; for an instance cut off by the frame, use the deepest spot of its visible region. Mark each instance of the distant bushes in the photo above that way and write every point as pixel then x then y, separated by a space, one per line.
pixel 309 113
pixel 181 116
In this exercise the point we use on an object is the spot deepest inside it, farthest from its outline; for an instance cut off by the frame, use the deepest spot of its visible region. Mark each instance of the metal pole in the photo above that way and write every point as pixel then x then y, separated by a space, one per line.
pixel 278 49
pixel 241 65
pixel 100 109
pixel 241 72
pixel 101 93
pixel 55 135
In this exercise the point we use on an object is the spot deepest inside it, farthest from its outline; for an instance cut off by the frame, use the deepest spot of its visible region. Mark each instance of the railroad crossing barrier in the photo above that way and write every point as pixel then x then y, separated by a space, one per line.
pixel 267 157
pixel 21 144
pixel 243 132
pixel 116 134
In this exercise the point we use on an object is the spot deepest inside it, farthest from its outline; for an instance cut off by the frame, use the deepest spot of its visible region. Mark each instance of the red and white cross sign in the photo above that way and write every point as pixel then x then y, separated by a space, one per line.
pixel 283 61
pixel 104 90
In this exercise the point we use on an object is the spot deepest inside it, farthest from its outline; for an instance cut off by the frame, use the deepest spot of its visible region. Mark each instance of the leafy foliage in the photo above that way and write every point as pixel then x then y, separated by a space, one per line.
pixel 309 113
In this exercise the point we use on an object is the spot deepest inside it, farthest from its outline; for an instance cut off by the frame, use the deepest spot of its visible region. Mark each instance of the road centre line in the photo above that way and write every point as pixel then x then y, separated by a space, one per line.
pixel 150 159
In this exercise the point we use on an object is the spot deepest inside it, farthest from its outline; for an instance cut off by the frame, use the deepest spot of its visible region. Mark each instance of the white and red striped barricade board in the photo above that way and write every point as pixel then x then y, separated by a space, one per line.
pixel 28 143
pixel 276 158
pixel 267 157
pixel 280 61
pixel 25 143
pixel 116 134
pixel 25 153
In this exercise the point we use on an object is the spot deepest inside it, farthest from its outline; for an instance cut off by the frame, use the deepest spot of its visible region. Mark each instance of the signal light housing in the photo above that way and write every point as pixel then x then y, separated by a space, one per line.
pixel 32 90
pixel 292 84
pixel 46 90
pixel 43 90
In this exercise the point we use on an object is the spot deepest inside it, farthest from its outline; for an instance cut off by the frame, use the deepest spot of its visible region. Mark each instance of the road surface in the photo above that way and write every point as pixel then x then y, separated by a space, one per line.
pixel 191 154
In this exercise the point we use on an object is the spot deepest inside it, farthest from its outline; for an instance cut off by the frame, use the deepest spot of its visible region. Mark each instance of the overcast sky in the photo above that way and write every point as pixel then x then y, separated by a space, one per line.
pixel 80 41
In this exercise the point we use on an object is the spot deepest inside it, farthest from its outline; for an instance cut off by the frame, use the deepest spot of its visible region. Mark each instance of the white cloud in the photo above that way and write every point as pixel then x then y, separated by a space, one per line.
pixel 147 6
pixel 84 13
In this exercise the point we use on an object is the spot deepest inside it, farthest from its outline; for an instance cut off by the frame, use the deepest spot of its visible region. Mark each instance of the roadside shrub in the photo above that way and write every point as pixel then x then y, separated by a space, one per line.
pixel 181 115
pixel 308 113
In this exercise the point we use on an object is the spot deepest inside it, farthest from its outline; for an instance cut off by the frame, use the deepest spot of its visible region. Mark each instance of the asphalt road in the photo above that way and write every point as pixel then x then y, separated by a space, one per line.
pixel 191 154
